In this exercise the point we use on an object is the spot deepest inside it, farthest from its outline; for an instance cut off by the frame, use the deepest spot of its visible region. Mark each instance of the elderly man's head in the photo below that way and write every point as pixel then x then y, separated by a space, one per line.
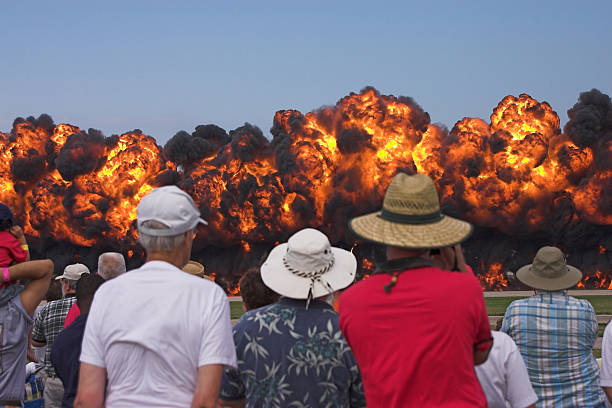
pixel 167 221
pixel 111 265
pixel 70 277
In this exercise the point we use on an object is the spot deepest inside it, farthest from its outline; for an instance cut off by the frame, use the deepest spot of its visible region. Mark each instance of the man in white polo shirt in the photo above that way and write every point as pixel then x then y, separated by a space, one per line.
pixel 159 336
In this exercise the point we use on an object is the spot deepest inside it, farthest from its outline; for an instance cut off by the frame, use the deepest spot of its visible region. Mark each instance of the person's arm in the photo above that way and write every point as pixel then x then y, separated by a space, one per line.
pixel 22 253
pixel 232 404
pixel 483 339
pixel 39 275
pixel 207 386
pixel 451 259
pixel 480 356
pixel 90 393
pixel 608 391
pixel 30 353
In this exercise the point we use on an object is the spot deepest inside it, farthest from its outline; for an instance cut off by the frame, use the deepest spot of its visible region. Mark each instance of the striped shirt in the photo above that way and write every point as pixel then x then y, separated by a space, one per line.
pixel 49 323
pixel 555 334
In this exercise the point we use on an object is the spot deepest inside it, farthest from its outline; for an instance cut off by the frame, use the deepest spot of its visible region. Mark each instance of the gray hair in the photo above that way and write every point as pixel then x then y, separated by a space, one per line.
pixel 159 244
pixel 72 283
pixel 111 265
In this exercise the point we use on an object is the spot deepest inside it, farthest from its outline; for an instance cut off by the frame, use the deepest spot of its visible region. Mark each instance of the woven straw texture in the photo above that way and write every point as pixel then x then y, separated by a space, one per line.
pixel 411 195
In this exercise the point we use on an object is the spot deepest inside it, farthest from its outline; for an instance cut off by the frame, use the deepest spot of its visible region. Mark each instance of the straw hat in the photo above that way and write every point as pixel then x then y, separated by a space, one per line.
pixel 195 268
pixel 549 271
pixel 411 218
pixel 308 267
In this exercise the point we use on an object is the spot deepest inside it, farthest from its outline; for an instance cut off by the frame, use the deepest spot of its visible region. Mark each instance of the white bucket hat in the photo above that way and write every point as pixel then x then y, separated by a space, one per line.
pixel 308 267
pixel 172 207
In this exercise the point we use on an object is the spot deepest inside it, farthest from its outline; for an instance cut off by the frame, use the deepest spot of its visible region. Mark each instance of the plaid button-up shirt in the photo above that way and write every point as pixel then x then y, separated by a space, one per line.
pixel 555 334
pixel 49 323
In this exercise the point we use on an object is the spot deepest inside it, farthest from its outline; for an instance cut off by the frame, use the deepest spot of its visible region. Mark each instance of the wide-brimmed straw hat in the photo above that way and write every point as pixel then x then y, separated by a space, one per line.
pixel 549 271
pixel 308 267
pixel 411 217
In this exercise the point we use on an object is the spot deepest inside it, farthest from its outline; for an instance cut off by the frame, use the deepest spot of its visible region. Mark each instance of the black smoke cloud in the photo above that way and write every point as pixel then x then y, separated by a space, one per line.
pixel 82 153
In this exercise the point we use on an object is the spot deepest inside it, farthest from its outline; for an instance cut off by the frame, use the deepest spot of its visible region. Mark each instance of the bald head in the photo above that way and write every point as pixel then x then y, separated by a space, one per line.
pixel 111 265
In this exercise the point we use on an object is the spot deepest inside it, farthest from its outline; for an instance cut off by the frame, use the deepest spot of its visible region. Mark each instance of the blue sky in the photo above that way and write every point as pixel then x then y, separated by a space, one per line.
pixel 168 66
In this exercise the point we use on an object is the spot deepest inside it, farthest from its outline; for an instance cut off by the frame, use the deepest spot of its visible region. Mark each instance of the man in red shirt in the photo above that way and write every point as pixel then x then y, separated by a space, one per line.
pixel 415 329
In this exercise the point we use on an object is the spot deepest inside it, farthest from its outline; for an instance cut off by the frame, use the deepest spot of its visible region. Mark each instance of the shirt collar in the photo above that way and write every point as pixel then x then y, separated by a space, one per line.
pixel 550 294
pixel 314 304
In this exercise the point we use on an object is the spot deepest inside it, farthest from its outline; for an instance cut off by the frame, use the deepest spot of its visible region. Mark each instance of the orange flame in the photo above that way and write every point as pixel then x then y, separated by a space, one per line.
pixel 494 279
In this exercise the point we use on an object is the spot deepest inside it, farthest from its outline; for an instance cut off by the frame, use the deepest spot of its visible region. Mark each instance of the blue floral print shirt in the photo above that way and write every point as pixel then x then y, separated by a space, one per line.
pixel 292 357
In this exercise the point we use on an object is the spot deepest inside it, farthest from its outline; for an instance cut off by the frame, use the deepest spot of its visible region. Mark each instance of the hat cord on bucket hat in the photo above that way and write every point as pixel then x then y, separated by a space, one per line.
pixel 314 276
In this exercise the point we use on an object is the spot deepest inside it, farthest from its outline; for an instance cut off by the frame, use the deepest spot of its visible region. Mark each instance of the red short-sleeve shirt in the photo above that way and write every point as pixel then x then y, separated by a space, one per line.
pixel 10 250
pixel 414 345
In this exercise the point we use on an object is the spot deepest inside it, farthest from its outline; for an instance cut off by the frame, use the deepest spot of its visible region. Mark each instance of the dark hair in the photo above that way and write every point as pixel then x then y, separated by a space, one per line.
pixel 54 292
pixel 86 287
pixel 254 292
pixel 5 225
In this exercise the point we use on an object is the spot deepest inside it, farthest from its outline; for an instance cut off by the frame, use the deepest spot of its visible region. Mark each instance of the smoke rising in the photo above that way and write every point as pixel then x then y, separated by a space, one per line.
pixel 517 176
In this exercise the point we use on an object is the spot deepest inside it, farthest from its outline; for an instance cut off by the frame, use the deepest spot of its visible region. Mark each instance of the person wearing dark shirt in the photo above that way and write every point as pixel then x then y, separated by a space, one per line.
pixel 66 348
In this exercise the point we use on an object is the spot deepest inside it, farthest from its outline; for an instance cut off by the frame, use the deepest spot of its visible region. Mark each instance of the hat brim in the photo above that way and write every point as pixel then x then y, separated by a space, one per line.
pixel 568 280
pixel 280 280
pixel 153 232
pixel 444 233
pixel 193 268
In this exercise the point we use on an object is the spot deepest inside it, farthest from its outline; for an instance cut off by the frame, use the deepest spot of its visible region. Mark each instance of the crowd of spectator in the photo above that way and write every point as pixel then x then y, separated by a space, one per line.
pixel 414 334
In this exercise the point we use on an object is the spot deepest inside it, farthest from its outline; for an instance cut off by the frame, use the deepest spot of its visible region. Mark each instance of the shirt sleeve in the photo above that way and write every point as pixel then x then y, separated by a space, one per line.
pixel 605 379
pixel 17 252
pixel 594 325
pixel 38 333
pixel 217 345
pixel 232 387
pixel 519 391
pixel 483 340
pixel 92 349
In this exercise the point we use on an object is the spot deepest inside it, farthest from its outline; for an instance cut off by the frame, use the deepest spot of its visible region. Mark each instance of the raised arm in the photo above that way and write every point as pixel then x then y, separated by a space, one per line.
pixel 38 274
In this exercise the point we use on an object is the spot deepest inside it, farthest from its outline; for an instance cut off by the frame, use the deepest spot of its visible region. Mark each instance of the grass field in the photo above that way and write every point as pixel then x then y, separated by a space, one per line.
pixel 496 306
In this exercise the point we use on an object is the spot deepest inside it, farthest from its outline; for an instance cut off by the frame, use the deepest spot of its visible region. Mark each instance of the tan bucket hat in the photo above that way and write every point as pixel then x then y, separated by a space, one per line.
pixel 195 268
pixel 549 271
pixel 411 218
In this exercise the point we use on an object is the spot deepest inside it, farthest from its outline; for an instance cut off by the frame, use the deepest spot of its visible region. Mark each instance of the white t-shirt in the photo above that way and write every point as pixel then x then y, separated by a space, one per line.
pixel 151 329
pixel 504 377
pixel 605 377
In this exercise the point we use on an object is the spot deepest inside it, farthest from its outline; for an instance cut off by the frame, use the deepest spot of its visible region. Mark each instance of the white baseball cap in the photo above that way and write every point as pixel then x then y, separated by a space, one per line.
pixel 73 272
pixel 172 207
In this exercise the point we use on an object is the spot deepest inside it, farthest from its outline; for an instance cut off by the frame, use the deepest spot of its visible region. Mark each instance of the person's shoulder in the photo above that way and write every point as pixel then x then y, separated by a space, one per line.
pixel 503 340
pixel 7 237
pixel 252 317
pixel 582 302
pixel 520 302
pixel 355 291
pixel 53 305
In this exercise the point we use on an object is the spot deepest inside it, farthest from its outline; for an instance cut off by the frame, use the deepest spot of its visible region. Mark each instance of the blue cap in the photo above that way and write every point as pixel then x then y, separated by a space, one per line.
pixel 6 213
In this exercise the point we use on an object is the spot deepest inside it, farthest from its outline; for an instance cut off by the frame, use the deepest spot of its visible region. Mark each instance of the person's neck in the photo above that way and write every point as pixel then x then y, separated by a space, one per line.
pixel 400 253
pixel 171 258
